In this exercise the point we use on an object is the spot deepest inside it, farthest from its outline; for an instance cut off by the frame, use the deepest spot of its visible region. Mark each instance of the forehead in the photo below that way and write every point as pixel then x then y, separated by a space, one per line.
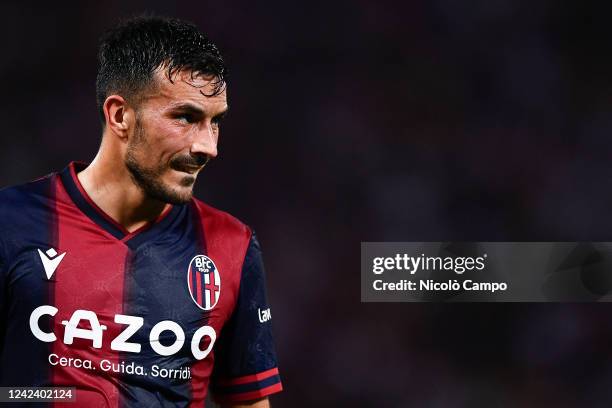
pixel 185 88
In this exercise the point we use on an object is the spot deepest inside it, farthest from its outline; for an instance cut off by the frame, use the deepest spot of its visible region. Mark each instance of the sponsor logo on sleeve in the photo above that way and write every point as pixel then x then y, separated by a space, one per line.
pixel 264 315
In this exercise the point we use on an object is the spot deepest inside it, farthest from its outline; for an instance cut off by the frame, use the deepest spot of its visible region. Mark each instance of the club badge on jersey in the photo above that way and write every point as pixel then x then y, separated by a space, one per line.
pixel 204 282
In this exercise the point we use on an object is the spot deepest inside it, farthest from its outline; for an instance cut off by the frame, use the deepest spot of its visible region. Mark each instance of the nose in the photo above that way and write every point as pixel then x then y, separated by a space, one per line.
pixel 205 142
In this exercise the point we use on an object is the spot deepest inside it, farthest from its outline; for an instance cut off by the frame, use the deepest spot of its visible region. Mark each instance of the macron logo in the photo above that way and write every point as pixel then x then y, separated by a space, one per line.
pixel 50 260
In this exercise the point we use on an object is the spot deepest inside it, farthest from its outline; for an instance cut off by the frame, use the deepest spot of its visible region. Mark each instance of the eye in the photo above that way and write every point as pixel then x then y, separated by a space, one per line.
pixel 186 118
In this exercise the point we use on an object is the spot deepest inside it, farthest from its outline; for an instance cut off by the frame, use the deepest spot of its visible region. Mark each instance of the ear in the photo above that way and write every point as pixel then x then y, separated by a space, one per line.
pixel 119 115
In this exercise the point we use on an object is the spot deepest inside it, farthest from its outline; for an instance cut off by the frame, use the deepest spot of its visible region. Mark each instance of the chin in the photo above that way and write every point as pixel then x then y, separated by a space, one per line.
pixel 171 193
pixel 169 186
pixel 175 196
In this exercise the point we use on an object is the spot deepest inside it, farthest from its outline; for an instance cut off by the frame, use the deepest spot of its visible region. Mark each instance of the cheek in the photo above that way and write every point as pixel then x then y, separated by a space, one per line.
pixel 165 141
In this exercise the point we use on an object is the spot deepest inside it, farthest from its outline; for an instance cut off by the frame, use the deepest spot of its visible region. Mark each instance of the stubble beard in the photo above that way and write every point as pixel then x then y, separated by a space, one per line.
pixel 149 179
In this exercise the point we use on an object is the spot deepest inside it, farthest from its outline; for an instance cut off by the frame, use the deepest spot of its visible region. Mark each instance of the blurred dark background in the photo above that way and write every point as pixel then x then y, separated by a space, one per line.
pixel 375 121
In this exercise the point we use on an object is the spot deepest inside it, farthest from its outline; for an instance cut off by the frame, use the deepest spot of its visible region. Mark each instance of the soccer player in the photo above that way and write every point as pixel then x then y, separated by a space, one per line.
pixel 113 278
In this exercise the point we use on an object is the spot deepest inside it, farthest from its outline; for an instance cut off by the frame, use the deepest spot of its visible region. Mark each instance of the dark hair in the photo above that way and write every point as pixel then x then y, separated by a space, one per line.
pixel 130 53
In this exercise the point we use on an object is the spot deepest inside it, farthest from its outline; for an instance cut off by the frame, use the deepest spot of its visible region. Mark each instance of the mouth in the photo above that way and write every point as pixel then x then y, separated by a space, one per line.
pixel 191 170
pixel 188 164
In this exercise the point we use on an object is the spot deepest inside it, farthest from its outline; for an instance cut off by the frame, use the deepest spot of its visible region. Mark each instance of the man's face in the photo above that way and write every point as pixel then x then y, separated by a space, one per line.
pixel 176 133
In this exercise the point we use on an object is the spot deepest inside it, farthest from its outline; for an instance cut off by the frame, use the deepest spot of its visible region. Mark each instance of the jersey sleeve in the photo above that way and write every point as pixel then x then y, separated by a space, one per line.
pixel 245 360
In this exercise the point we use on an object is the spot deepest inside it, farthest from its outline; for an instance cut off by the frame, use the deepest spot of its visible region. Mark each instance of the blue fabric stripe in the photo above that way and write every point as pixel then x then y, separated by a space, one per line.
pixel 28 222
pixel 167 223
pixel 158 270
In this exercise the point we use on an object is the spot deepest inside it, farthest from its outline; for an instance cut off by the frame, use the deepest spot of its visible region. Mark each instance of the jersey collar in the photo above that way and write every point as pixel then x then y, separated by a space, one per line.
pixel 82 200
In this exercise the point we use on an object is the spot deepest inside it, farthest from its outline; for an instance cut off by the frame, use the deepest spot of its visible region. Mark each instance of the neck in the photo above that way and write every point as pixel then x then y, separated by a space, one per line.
pixel 110 186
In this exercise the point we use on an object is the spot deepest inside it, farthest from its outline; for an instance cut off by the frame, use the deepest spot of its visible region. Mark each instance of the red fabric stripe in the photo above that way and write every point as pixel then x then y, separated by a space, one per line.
pixel 251 395
pixel 199 288
pixel 90 277
pixel 248 378
pixel 224 240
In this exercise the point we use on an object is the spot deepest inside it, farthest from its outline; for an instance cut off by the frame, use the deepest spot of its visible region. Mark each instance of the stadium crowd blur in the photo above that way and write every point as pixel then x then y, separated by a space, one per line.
pixel 375 121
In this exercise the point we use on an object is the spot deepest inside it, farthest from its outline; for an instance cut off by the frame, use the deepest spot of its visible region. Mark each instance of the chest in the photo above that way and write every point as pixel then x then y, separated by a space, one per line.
pixel 100 290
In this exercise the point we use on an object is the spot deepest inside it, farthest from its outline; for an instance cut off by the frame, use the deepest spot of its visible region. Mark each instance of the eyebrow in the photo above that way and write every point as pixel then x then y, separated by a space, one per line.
pixel 196 110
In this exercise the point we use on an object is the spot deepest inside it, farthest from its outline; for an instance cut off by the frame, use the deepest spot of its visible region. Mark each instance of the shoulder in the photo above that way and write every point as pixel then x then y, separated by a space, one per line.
pixel 18 199
pixel 26 211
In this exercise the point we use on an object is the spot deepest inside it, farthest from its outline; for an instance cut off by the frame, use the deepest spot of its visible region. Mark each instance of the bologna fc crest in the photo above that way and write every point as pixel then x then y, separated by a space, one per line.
pixel 204 282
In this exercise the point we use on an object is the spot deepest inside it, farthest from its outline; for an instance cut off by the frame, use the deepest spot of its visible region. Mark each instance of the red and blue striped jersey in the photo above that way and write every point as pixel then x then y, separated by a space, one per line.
pixel 151 317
